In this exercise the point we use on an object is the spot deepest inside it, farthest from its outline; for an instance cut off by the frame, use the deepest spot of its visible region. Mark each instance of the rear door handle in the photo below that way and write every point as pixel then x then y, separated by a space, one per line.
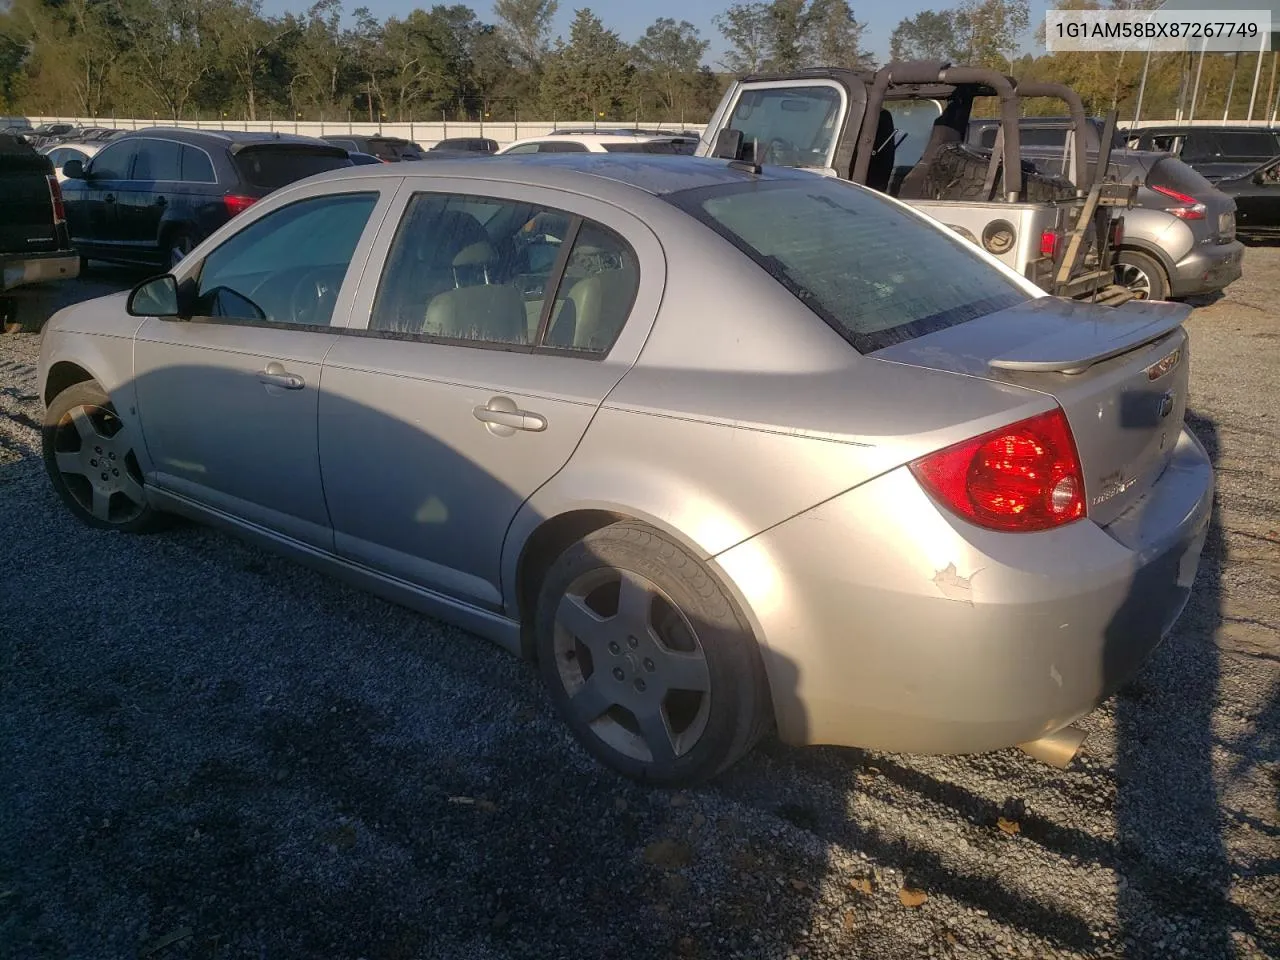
pixel 503 417
pixel 161 201
pixel 109 198
pixel 275 375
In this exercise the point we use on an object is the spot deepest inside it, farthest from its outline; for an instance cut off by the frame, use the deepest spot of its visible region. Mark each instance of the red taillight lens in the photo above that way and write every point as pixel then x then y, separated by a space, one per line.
pixel 1049 244
pixel 1020 478
pixel 1117 232
pixel 237 204
pixel 55 195
pixel 1188 208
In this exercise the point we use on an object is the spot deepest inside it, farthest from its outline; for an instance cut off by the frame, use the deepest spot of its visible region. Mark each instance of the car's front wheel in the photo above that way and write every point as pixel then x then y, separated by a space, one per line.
pixel 90 456
pixel 647 659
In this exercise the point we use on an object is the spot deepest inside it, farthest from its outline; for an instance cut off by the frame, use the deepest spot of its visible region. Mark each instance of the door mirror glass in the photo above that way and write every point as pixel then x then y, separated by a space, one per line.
pixel 73 169
pixel 157 297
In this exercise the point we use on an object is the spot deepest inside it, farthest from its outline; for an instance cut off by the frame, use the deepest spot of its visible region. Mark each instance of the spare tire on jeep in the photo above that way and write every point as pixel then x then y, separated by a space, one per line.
pixel 960 173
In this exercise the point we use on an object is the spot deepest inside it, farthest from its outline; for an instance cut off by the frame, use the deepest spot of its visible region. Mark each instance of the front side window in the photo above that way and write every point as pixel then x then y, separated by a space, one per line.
pixel 522 148
pixel 497 272
pixel 114 162
pixel 288 266
pixel 789 126
pixel 876 274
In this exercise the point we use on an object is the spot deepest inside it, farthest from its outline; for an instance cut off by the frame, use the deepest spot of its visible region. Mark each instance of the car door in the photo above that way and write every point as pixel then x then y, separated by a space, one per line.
pixel 157 170
pixel 91 202
pixel 1258 203
pixel 502 318
pixel 227 400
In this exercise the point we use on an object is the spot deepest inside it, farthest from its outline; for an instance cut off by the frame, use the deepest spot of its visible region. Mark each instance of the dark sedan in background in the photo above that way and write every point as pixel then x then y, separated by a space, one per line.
pixel 1215 151
pixel 150 196
pixel 1257 197
pixel 386 149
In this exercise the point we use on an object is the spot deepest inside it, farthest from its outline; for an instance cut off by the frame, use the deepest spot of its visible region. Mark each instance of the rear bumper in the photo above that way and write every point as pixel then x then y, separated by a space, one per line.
pixel 1207 268
pixel 887 623
pixel 23 269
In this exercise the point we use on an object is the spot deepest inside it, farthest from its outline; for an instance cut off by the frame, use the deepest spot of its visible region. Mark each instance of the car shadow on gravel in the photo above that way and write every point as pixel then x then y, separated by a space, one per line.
pixel 255 760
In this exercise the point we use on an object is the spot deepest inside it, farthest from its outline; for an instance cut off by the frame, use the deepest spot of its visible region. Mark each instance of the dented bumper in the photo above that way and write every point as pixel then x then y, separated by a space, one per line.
pixel 888 623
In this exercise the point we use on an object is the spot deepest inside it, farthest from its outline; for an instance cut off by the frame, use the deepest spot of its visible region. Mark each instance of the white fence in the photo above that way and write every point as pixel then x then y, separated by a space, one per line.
pixel 424 133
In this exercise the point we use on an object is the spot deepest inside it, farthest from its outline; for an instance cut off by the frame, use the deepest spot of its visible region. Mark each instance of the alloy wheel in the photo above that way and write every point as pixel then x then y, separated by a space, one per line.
pixel 94 456
pixel 1134 279
pixel 632 665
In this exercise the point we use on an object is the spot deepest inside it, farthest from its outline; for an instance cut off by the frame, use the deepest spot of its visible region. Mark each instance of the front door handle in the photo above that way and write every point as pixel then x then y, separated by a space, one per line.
pixel 504 418
pixel 275 375
pixel 109 198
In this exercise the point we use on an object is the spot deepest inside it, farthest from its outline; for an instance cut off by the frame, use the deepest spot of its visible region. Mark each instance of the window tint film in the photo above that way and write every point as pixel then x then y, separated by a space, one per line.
pixel 470 268
pixel 594 299
pixel 288 266
pixel 1261 144
pixel 879 276
pixel 1199 145
pixel 196 167
pixel 270 168
pixel 114 162
pixel 157 160
pixel 561 146
pixel 789 126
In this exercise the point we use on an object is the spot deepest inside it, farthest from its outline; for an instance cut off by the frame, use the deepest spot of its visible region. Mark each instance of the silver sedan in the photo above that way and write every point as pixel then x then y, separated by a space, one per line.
pixel 721 448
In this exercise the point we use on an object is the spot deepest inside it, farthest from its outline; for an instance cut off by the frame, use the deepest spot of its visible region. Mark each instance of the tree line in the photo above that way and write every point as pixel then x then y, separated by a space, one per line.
pixel 188 59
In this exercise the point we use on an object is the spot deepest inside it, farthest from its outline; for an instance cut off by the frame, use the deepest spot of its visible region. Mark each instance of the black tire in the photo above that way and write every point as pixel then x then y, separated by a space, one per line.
pixel 105 467
pixel 1142 274
pixel 960 173
pixel 723 724
pixel 180 240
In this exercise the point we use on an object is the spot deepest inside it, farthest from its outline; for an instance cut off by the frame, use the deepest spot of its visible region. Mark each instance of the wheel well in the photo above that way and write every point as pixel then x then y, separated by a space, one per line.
pixel 551 539
pixel 1157 255
pixel 63 374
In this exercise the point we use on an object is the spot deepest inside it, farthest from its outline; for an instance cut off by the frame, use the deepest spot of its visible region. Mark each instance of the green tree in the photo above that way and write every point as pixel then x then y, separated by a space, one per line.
pixel 589 75
pixel 747 27
pixel 787 35
pixel 671 53
pixel 165 54
pixel 837 37
pixel 991 31
pixel 527 26
pixel 929 35
pixel 243 39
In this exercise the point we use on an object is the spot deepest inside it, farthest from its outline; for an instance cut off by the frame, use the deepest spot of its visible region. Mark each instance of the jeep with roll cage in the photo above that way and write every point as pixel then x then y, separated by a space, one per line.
pixel 1059 232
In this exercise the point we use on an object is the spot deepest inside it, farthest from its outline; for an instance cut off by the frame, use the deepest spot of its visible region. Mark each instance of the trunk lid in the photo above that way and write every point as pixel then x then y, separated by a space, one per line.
pixel 1119 373
pixel 26 207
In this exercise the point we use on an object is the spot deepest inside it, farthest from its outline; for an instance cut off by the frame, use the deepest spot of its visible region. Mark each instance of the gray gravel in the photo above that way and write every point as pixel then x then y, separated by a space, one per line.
pixel 208 752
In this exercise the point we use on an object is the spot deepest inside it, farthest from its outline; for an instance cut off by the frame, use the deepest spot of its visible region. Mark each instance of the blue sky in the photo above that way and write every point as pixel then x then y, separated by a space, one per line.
pixel 630 17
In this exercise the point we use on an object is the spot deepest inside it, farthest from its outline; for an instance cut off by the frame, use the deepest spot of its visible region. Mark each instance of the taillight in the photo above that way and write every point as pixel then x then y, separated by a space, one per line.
pixel 1049 244
pixel 55 195
pixel 1188 208
pixel 1020 478
pixel 238 204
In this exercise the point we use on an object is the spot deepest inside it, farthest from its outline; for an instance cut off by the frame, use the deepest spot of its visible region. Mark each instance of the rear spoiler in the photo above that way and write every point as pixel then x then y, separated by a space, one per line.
pixel 1102 333
pixel 320 146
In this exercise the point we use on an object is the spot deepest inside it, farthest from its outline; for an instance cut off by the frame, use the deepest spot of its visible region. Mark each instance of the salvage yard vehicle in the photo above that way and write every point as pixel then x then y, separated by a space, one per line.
pixel 1257 198
pixel 1179 237
pixel 148 197
pixel 1214 151
pixel 719 446
pixel 840 123
pixel 34 244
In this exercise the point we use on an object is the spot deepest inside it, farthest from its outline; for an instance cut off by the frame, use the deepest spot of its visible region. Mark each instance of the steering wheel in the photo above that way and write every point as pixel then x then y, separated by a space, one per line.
pixel 313 297
pixel 778 152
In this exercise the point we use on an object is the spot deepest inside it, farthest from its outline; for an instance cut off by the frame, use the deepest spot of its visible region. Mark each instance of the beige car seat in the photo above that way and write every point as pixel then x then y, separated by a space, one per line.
pixel 477 309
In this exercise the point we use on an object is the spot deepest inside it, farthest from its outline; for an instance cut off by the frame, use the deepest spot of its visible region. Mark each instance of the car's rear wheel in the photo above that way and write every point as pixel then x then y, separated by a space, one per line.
pixel 1141 275
pixel 647 659
pixel 89 455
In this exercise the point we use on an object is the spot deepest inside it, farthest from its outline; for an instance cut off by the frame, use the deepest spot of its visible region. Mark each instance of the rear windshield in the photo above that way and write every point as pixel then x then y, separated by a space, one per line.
pixel 1172 174
pixel 878 275
pixel 270 168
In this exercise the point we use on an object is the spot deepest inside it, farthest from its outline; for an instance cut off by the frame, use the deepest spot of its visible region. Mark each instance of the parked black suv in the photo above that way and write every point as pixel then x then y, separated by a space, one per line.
pixel 1213 152
pixel 150 196
pixel 34 246
pixel 468 144
pixel 386 149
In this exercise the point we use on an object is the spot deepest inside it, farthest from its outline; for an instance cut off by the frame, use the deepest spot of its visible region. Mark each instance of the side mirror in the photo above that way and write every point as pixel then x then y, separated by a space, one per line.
pixel 73 169
pixel 157 297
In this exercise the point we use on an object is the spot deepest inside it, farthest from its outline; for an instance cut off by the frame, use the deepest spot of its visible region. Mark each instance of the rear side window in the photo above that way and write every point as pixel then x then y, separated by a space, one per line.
pixel 1199 145
pixel 347 145
pixel 157 160
pixel 196 166
pixel 1248 143
pixel 645 146
pixel 877 275
pixel 561 146
pixel 270 168
pixel 1172 174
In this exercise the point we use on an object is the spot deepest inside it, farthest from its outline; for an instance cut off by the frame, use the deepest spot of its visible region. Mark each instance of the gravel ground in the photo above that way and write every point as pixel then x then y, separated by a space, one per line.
pixel 208 752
